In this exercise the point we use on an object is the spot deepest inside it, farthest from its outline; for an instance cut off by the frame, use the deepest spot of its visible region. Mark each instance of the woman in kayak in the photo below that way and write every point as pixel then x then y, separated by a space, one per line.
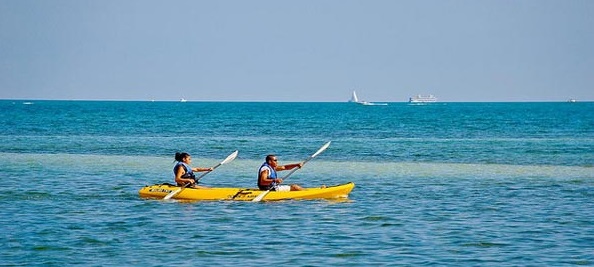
pixel 268 180
pixel 184 174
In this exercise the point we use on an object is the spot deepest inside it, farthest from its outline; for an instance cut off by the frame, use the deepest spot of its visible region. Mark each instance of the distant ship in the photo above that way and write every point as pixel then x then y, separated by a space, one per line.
pixel 355 99
pixel 422 99
pixel 183 100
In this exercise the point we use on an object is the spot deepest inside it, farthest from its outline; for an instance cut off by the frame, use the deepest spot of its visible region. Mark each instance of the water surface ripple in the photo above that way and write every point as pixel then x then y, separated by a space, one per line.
pixel 456 184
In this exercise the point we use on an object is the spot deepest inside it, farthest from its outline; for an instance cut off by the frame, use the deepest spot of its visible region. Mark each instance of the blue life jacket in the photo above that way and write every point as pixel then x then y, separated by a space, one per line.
pixel 189 173
pixel 271 175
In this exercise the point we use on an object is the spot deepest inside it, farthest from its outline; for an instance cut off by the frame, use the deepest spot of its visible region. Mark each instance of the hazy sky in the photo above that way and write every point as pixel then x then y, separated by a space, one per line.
pixel 301 50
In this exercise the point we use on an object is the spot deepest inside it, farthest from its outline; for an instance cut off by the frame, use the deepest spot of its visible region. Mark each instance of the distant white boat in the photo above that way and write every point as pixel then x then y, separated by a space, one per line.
pixel 571 100
pixel 355 99
pixel 183 100
pixel 422 99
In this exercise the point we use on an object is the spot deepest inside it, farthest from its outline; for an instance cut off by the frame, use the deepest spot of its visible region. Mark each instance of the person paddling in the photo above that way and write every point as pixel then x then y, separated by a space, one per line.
pixel 268 180
pixel 184 173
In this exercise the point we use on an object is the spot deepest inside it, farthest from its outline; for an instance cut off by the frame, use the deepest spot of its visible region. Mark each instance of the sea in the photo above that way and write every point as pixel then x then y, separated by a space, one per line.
pixel 440 184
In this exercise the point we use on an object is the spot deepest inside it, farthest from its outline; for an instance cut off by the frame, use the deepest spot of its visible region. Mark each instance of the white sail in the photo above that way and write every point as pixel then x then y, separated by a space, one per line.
pixel 354 98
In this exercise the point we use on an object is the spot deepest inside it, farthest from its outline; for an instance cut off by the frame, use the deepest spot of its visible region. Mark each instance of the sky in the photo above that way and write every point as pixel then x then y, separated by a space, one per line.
pixel 297 51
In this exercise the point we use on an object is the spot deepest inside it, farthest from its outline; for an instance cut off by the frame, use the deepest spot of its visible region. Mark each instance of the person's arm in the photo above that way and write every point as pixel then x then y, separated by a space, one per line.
pixel 265 177
pixel 289 166
pixel 202 169
pixel 178 177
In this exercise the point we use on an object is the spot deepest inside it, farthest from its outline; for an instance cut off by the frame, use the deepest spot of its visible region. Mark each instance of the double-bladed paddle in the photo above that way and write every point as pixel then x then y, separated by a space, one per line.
pixel 229 158
pixel 263 194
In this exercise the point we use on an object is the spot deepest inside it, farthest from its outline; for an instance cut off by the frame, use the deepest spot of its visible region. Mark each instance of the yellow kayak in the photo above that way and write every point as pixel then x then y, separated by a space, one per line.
pixel 248 194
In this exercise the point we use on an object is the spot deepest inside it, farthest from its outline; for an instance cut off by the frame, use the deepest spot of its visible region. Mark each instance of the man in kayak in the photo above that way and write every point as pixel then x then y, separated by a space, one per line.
pixel 268 180
pixel 184 174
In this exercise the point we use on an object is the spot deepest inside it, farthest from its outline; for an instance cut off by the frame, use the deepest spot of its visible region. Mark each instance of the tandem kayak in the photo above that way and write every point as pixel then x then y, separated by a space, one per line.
pixel 159 191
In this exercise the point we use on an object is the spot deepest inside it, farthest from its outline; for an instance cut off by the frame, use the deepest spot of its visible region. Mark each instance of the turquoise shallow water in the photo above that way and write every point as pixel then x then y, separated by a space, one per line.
pixel 450 184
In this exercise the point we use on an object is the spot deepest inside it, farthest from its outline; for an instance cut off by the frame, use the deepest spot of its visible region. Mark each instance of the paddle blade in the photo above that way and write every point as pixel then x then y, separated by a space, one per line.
pixel 260 196
pixel 321 149
pixel 173 193
pixel 230 157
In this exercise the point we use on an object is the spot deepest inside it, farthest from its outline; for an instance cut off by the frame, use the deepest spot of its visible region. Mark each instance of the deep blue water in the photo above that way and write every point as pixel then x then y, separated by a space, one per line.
pixel 446 184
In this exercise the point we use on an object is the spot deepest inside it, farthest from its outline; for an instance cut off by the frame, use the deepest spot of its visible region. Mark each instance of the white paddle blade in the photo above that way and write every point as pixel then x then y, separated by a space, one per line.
pixel 321 149
pixel 173 193
pixel 260 196
pixel 230 157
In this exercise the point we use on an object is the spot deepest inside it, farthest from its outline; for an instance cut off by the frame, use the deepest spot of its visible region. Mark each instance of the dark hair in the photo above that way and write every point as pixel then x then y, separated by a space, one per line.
pixel 269 157
pixel 179 156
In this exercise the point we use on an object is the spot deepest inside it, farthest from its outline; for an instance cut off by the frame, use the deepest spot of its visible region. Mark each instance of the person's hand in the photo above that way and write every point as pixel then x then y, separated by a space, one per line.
pixel 279 181
pixel 299 165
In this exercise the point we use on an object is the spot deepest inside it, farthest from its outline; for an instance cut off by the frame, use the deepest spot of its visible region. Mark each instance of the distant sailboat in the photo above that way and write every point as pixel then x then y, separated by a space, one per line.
pixel 183 100
pixel 355 99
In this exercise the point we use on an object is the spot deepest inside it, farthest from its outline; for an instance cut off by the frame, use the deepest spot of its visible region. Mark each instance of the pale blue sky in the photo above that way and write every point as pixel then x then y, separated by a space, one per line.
pixel 500 50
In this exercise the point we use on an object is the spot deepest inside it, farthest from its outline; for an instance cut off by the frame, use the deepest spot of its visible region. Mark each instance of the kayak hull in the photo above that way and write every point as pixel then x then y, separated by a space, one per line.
pixel 159 191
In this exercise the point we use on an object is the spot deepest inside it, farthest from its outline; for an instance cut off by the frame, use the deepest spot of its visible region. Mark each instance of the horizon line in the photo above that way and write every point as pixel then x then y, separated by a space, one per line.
pixel 283 101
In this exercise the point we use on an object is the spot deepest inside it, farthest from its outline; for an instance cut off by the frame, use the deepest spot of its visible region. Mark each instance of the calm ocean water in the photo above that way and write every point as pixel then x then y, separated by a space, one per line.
pixel 446 184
